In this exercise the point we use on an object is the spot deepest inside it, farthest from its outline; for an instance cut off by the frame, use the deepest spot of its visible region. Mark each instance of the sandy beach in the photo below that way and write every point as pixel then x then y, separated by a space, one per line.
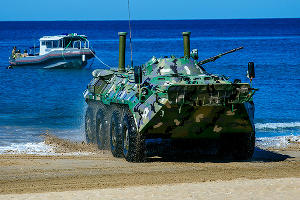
pixel 271 174
pixel 284 188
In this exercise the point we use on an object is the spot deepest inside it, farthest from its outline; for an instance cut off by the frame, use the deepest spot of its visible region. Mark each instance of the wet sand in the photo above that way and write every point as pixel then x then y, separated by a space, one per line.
pixel 22 174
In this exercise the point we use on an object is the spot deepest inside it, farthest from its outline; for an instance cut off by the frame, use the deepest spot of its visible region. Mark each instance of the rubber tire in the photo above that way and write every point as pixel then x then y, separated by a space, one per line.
pixel 243 148
pixel 115 134
pixel 132 142
pixel 90 127
pixel 101 129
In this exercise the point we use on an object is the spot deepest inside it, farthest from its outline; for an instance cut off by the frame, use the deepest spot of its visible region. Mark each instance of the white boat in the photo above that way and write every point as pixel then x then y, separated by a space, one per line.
pixel 60 51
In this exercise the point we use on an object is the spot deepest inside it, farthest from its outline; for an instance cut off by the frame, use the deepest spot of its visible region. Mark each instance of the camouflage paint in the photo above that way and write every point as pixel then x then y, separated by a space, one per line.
pixel 178 99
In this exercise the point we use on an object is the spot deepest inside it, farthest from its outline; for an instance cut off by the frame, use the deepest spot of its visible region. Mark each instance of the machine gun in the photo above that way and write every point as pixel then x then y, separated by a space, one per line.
pixel 212 59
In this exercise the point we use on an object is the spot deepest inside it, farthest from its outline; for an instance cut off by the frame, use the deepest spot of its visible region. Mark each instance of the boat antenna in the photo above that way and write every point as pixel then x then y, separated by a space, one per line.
pixel 130 34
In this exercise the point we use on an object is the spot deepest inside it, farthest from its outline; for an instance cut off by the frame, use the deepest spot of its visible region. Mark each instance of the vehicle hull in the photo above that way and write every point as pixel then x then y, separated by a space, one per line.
pixel 200 122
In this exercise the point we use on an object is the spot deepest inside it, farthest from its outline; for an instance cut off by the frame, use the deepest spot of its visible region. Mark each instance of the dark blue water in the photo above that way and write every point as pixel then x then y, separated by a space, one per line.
pixel 33 101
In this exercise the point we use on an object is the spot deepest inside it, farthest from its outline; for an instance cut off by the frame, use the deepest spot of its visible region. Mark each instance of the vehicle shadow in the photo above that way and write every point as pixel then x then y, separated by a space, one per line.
pixel 268 156
pixel 260 155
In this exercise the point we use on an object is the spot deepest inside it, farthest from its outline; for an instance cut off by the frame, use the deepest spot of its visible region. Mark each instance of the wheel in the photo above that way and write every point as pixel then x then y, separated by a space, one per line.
pixel 115 134
pixel 132 142
pixel 90 127
pixel 244 146
pixel 101 128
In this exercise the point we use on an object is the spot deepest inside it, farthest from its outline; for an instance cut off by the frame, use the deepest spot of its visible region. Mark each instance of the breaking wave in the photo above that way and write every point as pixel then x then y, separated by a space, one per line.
pixel 279 126
pixel 40 148
pixel 278 142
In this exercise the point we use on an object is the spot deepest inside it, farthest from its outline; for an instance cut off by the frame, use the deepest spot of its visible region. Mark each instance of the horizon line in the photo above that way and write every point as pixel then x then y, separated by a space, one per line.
pixel 65 20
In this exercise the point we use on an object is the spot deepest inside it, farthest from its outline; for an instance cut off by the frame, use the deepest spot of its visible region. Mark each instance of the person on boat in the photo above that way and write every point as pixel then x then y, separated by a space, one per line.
pixel 13 52
pixel 25 54
pixel 18 54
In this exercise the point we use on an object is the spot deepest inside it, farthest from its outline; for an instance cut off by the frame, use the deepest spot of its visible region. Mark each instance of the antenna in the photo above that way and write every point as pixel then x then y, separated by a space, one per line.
pixel 130 34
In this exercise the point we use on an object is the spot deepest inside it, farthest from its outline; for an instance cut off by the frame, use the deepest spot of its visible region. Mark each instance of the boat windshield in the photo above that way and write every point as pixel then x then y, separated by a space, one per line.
pixel 65 43
pixel 75 43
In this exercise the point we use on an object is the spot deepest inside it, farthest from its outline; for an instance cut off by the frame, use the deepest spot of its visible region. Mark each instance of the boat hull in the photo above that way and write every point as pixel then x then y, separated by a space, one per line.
pixel 56 59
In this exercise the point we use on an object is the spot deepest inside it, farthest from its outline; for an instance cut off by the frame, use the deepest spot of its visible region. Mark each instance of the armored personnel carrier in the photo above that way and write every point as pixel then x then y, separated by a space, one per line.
pixel 172 99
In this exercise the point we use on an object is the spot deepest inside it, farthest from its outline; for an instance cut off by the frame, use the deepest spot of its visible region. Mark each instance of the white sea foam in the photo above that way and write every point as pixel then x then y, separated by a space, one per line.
pixel 278 142
pixel 263 126
pixel 27 148
pixel 34 148
pixel 43 149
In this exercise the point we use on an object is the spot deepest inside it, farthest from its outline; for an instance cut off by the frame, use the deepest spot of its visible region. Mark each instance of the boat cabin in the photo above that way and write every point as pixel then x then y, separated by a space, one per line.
pixel 61 42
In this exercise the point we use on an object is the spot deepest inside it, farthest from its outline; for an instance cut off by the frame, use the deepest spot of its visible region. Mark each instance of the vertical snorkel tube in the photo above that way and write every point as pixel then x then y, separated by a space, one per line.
pixel 186 44
pixel 122 45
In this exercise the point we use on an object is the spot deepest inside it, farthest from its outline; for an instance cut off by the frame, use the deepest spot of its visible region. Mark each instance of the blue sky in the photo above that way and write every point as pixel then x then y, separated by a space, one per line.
pixel 146 9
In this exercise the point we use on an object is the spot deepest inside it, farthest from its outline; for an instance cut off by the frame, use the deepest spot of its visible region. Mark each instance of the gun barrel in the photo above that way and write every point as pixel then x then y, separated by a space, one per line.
pixel 212 59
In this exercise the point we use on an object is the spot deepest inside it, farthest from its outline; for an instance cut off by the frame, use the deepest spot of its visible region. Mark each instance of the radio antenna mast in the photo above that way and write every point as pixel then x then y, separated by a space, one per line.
pixel 130 34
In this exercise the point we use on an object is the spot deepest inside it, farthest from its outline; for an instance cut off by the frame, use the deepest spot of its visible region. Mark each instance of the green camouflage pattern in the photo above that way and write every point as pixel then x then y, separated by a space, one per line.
pixel 177 98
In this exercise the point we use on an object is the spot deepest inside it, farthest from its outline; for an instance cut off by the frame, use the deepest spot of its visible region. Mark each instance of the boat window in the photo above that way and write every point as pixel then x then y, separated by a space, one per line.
pixel 68 44
pixel 49 44
pixel 60 43
pixel 55 44
pixel 43 43
pixel 76 44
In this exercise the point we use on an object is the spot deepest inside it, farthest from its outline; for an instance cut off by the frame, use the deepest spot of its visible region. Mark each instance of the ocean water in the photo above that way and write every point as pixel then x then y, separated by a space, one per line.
pixel 35 101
